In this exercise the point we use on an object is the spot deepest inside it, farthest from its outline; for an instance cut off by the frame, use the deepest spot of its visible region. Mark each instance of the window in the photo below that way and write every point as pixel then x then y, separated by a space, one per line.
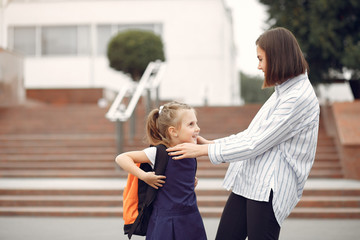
pixel 58 41
pixel 103 38
pixel 68 40
pixel 50 41
pixel 83 40
pixel 24 40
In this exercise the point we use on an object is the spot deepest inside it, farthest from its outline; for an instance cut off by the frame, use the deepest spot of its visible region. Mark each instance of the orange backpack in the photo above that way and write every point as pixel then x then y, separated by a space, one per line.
pixel 138 197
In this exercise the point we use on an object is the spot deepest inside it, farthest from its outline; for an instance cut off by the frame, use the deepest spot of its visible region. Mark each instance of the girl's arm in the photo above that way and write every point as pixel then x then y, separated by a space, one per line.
pixel 128 160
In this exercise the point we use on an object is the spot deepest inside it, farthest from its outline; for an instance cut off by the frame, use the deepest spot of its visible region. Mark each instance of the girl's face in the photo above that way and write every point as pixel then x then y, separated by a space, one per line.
pixel 188 131
pixel 262 59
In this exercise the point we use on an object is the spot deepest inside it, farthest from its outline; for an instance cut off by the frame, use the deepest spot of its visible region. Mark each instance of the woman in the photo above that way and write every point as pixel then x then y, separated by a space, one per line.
pixel 270 160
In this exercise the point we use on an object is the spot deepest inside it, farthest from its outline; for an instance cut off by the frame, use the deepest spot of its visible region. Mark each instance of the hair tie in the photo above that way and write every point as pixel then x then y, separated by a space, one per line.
pixel 161 108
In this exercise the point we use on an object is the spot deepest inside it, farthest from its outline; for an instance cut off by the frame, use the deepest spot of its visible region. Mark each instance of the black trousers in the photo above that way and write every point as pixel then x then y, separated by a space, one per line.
pixel 244 217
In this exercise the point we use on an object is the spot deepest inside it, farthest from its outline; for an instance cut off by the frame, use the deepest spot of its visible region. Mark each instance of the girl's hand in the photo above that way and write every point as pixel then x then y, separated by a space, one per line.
pixel 196 181
pixel 188 150
pixel 153 180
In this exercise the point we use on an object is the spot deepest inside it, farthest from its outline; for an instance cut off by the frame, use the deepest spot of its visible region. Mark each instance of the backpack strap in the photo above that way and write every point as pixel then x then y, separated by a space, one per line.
pixel 161 161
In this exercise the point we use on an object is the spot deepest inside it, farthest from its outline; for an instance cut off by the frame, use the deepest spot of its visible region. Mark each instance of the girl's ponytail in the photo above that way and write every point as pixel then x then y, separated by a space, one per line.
pixel 153 134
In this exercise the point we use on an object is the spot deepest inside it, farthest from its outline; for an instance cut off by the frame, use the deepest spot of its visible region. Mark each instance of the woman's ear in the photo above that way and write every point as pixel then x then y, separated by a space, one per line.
pixel 173 132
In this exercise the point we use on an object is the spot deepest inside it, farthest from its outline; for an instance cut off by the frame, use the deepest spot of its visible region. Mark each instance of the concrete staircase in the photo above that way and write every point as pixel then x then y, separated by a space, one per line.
pixel 60 146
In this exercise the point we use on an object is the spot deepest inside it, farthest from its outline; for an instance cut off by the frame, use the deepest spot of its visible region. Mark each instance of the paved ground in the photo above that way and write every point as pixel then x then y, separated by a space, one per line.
pixel 40 228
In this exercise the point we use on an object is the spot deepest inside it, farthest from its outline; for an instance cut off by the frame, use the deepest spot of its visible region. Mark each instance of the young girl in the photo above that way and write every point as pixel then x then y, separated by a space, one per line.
pixel 271 160
pixel 175 214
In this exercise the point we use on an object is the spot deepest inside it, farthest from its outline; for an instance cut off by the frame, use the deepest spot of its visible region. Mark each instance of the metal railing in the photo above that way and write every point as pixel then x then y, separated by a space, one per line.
pixel 120 112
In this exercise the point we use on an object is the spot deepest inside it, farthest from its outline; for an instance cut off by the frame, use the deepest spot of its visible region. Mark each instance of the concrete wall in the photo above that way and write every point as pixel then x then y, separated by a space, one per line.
pixel 342 123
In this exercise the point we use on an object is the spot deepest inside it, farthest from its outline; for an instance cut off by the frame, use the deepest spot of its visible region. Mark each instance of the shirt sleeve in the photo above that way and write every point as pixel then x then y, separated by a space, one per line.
pixel 283 122
pixel 151 154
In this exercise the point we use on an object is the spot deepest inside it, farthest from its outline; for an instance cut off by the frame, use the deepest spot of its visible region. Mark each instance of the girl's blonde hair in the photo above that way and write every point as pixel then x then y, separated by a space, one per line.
pixel 159 121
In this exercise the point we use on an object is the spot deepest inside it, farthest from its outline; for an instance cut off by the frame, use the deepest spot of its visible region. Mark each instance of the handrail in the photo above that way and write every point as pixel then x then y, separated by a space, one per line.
pixel 116 106
pixel 156 80
pixel 120 113
pixel 150 80
pixel 154 85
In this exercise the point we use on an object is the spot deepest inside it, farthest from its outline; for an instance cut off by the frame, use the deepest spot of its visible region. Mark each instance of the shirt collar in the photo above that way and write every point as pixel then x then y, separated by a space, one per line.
pixel 280 89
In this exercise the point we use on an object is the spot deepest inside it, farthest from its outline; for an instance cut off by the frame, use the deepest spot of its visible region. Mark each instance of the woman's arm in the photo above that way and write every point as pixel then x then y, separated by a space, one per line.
pixel 128 160
pixel 190 150
pixel 289 116
pixel 264 132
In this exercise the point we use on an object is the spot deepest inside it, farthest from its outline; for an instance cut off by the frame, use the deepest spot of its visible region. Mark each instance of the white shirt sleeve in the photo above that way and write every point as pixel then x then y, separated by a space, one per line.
pixel 151 154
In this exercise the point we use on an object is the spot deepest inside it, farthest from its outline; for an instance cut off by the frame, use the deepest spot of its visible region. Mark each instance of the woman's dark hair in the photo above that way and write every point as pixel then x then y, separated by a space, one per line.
pixel 284 58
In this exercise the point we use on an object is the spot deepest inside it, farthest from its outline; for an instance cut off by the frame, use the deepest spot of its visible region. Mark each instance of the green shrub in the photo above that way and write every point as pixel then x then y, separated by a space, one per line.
pixel 131 51
pixel 251 89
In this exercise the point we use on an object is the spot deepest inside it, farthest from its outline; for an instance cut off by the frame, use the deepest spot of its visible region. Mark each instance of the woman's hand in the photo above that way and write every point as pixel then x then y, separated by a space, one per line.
pixel 153 180
pixel 201 140
pixel 196 181
pixel 188 150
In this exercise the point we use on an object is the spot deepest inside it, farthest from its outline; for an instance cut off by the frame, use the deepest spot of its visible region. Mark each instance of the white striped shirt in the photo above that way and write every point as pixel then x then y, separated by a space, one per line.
pixel 276 151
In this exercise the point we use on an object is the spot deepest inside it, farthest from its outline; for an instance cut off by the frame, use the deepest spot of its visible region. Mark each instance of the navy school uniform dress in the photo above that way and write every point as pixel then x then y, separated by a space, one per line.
pixel 175 214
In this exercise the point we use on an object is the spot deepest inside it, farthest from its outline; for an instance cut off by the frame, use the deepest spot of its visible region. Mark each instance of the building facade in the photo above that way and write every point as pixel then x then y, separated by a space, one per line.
pixel 64 44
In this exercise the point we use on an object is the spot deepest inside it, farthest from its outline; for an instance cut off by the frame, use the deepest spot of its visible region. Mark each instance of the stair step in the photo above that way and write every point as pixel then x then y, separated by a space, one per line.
pixel 326 156
pixel 326 149
pixel 59 150
pixel 87 201
pixel 111 173
pixel 330 165
pixel 62 173
pixel 306 201
pixel 62 192
pixel 95 141
pixel 203 201
pixel 331 192
pixel 57 140
pixel 320 213
pixel 330 201
pixel 83 165
pixel 66 173
pixel 60 201
pixel 327 173
pixel 117 191
pixel 205 212
pixel 62 211
pixel 57 157
pixel 329 213
pixel 88 165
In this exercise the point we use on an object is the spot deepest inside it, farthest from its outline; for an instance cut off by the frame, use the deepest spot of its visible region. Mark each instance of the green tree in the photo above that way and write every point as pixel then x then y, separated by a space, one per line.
pixel 132 50
pixel 328 32
pixel 251 89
